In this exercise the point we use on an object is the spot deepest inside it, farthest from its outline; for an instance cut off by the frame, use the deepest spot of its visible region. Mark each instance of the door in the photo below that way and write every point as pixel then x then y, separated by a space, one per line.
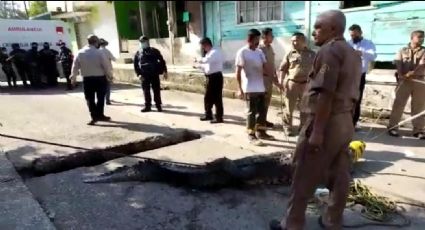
pixel 212 21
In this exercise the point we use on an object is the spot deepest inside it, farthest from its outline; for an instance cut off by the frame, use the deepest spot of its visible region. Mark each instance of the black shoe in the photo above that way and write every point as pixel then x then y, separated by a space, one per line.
pixel 104 118
pixel 275 225
pixel 159 108
pixel 269 124
pixel 216 121
pixel 108 103
pixel 206 118
pixel 420 135
pixel 393 133
pixel 146 109
pixel 254 140
pixel 92 122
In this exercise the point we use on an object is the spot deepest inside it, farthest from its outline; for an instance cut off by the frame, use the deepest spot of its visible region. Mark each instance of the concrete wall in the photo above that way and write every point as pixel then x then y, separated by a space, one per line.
pixel 100 22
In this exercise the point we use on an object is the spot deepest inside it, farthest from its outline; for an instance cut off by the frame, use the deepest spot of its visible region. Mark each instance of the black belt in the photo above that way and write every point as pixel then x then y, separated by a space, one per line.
pixel 212 74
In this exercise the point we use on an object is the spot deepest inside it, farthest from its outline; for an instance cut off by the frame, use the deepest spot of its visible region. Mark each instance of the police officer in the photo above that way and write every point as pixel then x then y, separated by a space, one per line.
pixel 48 66
pixel 148 65
pixel 18 57
pixel 295 67
pixel 270 76
pixel 66 58
pixel 322 150
pixel 410 63
pixel 33 66
pixel 6 65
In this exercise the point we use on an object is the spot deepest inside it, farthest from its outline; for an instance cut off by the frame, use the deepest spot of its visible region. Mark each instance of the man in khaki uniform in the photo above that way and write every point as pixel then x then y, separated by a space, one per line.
pixel 410 62
pixel 297 64
pixel 270 76
pixel 322 150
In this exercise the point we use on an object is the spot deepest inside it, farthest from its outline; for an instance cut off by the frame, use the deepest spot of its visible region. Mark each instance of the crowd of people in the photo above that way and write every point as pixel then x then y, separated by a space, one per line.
pixel 327 87
pixel 35 67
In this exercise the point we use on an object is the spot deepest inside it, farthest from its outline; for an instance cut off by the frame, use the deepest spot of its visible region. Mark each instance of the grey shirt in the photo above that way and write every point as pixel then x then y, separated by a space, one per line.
pixel 91 62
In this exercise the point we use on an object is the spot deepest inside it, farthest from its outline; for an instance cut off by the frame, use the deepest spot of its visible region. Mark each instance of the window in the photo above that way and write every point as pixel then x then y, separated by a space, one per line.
pixel 353 4
pixel 259 11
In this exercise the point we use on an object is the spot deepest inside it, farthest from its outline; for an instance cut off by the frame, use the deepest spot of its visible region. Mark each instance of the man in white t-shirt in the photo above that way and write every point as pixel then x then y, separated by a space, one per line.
pixel 250 67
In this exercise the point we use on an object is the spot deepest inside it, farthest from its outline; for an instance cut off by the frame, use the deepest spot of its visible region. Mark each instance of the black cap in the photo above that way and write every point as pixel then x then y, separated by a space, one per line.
pixel 143 38
pixel 103 42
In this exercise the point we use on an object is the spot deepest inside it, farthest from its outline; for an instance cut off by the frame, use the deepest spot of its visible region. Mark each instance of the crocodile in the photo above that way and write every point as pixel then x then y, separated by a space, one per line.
pixel 259 169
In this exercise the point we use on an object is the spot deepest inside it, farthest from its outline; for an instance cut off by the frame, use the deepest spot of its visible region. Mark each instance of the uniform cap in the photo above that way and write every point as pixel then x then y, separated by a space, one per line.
pixel 143 38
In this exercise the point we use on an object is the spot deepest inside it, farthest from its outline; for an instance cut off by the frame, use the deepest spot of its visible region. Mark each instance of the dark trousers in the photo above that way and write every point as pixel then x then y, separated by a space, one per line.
pixel 34 76
pixel 357 111
pixel 153 81
pixel 95 87
pixel 21 69
pixel 108 92
pixel 67 73
pixel 10 75
pixel 214 95
pixel 256 115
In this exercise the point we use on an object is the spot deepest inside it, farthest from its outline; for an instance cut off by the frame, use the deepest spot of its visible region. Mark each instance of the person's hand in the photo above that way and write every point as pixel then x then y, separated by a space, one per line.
pixel 409 75
pixel 315 142
pixel 241 94
pixel 358 52
pixel 165 75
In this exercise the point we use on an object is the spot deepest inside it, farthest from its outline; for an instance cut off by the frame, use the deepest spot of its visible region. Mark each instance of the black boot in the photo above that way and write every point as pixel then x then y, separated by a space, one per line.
pixel 146 109
pixel 159 108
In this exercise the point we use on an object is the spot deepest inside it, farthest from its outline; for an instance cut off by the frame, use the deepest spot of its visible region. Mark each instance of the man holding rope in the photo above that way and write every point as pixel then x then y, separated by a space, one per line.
pixel 410 63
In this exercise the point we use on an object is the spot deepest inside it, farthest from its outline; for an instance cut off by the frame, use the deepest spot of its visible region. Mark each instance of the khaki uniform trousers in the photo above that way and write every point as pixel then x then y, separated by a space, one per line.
pixel 293 94
pixel 330 165
pixel 406 89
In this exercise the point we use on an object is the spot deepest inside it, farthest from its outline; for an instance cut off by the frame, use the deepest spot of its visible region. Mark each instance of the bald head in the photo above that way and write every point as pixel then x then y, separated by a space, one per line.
pixel 335 18
pixel 329 24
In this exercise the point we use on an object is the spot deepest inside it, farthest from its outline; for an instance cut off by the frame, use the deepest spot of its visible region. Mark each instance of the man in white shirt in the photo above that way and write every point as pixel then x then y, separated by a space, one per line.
pixel 212 65
pixel 103 43
pixel 250 67
pixel 367 51
pixel 95 69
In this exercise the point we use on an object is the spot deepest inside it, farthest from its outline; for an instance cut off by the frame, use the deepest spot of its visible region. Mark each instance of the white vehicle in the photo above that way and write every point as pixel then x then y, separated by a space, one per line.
pixel 26 31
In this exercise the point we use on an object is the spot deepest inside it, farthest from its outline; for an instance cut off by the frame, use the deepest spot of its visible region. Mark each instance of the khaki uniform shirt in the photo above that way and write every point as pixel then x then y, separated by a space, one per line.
pixel 336 69
pixel 299 64
pixel 269 54
pixel 410 58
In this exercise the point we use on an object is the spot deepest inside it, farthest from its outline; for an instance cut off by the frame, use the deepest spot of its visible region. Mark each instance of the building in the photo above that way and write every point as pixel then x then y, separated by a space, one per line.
pixel 175 27
pixel 387 23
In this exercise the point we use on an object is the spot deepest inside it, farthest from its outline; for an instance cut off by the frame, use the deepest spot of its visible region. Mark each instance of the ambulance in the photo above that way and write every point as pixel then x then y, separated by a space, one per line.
pixel 26 31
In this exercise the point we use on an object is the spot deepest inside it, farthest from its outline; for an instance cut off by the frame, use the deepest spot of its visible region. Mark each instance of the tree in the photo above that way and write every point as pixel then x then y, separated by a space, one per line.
pixel 9 10
pixel 37 8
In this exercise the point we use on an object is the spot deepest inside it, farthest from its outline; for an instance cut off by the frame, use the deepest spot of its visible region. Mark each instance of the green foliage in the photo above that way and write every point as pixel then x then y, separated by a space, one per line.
pixel 37 8
pixel 9 10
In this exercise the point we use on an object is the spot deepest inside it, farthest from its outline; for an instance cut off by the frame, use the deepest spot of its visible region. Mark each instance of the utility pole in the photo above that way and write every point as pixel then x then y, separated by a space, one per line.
pixel 171 25
pixel 307 22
